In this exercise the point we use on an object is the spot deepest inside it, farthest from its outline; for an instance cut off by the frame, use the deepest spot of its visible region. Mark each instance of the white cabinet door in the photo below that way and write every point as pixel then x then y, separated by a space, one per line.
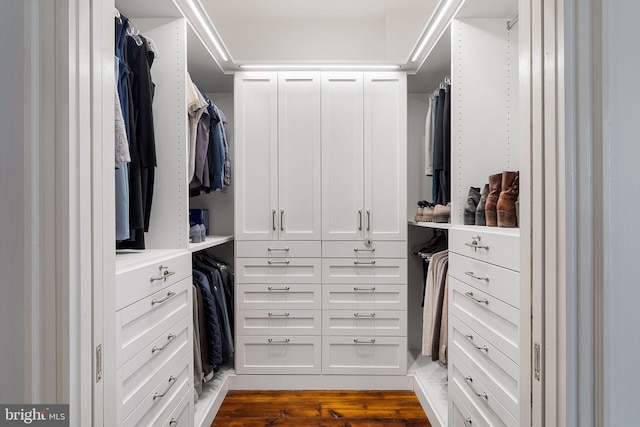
pixel 299 155
pixel 256 158
pixel 385 152
pixel 342 151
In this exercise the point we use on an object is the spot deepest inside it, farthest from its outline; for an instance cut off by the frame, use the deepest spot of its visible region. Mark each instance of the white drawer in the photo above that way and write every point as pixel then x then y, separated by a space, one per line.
pixel 352 270
pixel 278 249
pixel 357 249
pixel 364 297
pixel 497 371
pixel 500 282
pixel 278 322
pixel 475 391
pixel 364 355
pixel 463 413
pixel 365 322
pixel 290 296
pixel 275 271
pixel 142 323
pixel 182 415
pixel 494 246
pixel 278 354
pixel 138 376
pixel 494 320
pixel 145 279
pixel 166 394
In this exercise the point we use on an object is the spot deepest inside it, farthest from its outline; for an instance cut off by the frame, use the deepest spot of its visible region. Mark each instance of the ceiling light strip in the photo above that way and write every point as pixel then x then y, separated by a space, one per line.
pixel 446 10
pixel 319 67
pixel 207 27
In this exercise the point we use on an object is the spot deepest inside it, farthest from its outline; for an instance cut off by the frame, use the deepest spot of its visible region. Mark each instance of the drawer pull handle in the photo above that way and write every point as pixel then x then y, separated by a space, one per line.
pixel 360 220
pixel 372 262
pixel 278 249
pixel 172 381
pixel 170 338
pixel 165 273
pixel 371 341
pixel 479 301
pixel 286 261
pixel 358 288
pixel 475 244
pixel 469 381
pixel 468 422
pixel 273 219
pixel 173 422
pixel 483 348
pixel 271 288
pixel 473 276
pixel 170 295
pixel 284 341
pixel 278 315
pixel 364 315
pixel 364 250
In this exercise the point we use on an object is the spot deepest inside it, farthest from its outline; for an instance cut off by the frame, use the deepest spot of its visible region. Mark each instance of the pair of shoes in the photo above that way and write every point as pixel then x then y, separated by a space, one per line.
pixel 442 213
pixel 197 233
pixel 424 213
pixel 500 206
pixel 471 206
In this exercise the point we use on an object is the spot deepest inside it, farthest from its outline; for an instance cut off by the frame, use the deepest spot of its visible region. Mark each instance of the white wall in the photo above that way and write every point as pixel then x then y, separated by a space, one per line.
pixel 418 185
pixel 12 331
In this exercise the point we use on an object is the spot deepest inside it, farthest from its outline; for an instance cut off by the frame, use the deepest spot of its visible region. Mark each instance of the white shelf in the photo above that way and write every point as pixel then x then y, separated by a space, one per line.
pixel 128 258
pixel 213 393
pixel 210 242
pixel 438 225
pixel 431 388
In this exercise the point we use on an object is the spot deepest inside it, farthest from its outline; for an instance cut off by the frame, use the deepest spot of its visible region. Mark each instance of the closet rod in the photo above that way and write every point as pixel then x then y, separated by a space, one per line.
pixel 512 23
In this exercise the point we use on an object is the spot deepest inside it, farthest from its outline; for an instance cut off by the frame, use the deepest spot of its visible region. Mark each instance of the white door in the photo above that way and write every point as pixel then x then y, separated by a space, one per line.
pixel 256 158
pixel 299 156
pixel 342 150
pixel 385 155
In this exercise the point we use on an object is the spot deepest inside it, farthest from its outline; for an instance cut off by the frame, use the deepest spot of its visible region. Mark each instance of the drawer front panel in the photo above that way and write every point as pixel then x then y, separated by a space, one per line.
pixel 364 297
pixel 368 322
pixel 494 320
pixel 287 296
pixel 182 415
pixel 278 354
pixel 494 369
pixel 364 355
pixel 278 322
pixel 278 249
pixel 284 270
pixel 489 246
pixel 139 375
pixel 500 282
pixel 135 284
pixel 357 249
pixel 463 413
pixel 142 323
pixel 351 270
pixel 168 392
pixel 477 392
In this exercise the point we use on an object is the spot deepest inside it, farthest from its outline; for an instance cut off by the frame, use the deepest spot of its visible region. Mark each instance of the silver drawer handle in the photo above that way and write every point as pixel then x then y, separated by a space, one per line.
pixel 364 250
pixel 473 276
pixel 170 295
pixel 278 262
pixel 165 273
pixel 271 288
pixel 170 338
pixel 372 262
pixel 284 341
pixel 173 422
pixel 468 422
pixel 278 249
pixel 172 381
pixel 479 301
pixel 278 315
pixel 469 381
pixel 371 341
pixel 358 288
pixel 475 244
pixel 483 348
pixel 364 315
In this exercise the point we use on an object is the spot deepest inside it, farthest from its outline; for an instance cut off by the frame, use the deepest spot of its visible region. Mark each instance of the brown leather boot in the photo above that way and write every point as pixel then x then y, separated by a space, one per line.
pixel 506 206
pixel 495 185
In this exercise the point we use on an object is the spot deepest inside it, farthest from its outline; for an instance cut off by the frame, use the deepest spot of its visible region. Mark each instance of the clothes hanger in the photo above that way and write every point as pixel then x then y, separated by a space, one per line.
pixel 152 46
pixel 134 34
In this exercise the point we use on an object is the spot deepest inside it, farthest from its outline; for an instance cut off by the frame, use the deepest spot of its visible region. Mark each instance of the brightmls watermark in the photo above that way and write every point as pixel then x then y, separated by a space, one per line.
pixel 37 415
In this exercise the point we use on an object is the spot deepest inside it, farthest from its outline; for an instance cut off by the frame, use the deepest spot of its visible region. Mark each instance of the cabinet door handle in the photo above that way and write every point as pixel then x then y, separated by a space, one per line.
pixel 364 315
pixel 165 272
pixel 173 422
pixel 360 220
pixel 273 219
pixel 364 250
pixel 278 249
pixel 271 288
pixel 278 315
pixel 469 381
pixel 284 341
pixel 172 381
pixel 483 348
pixel 286 261
pixel 281 219
pixel 368 220
pixel 358 288
pixel 170 338
pixel 357 262
pixel 371 341
pixel 473 276
pixel 170 295
pixel 468 422
pixel 473 298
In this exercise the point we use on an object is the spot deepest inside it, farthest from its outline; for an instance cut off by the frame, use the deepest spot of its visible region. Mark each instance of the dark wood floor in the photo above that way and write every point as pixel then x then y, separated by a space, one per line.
pixel 321 409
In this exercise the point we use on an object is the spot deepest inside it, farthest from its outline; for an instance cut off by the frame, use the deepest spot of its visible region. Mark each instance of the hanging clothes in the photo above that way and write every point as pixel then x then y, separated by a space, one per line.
pixel 428 138
pixel 445 172
pixel 435 184
pixel 435 281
